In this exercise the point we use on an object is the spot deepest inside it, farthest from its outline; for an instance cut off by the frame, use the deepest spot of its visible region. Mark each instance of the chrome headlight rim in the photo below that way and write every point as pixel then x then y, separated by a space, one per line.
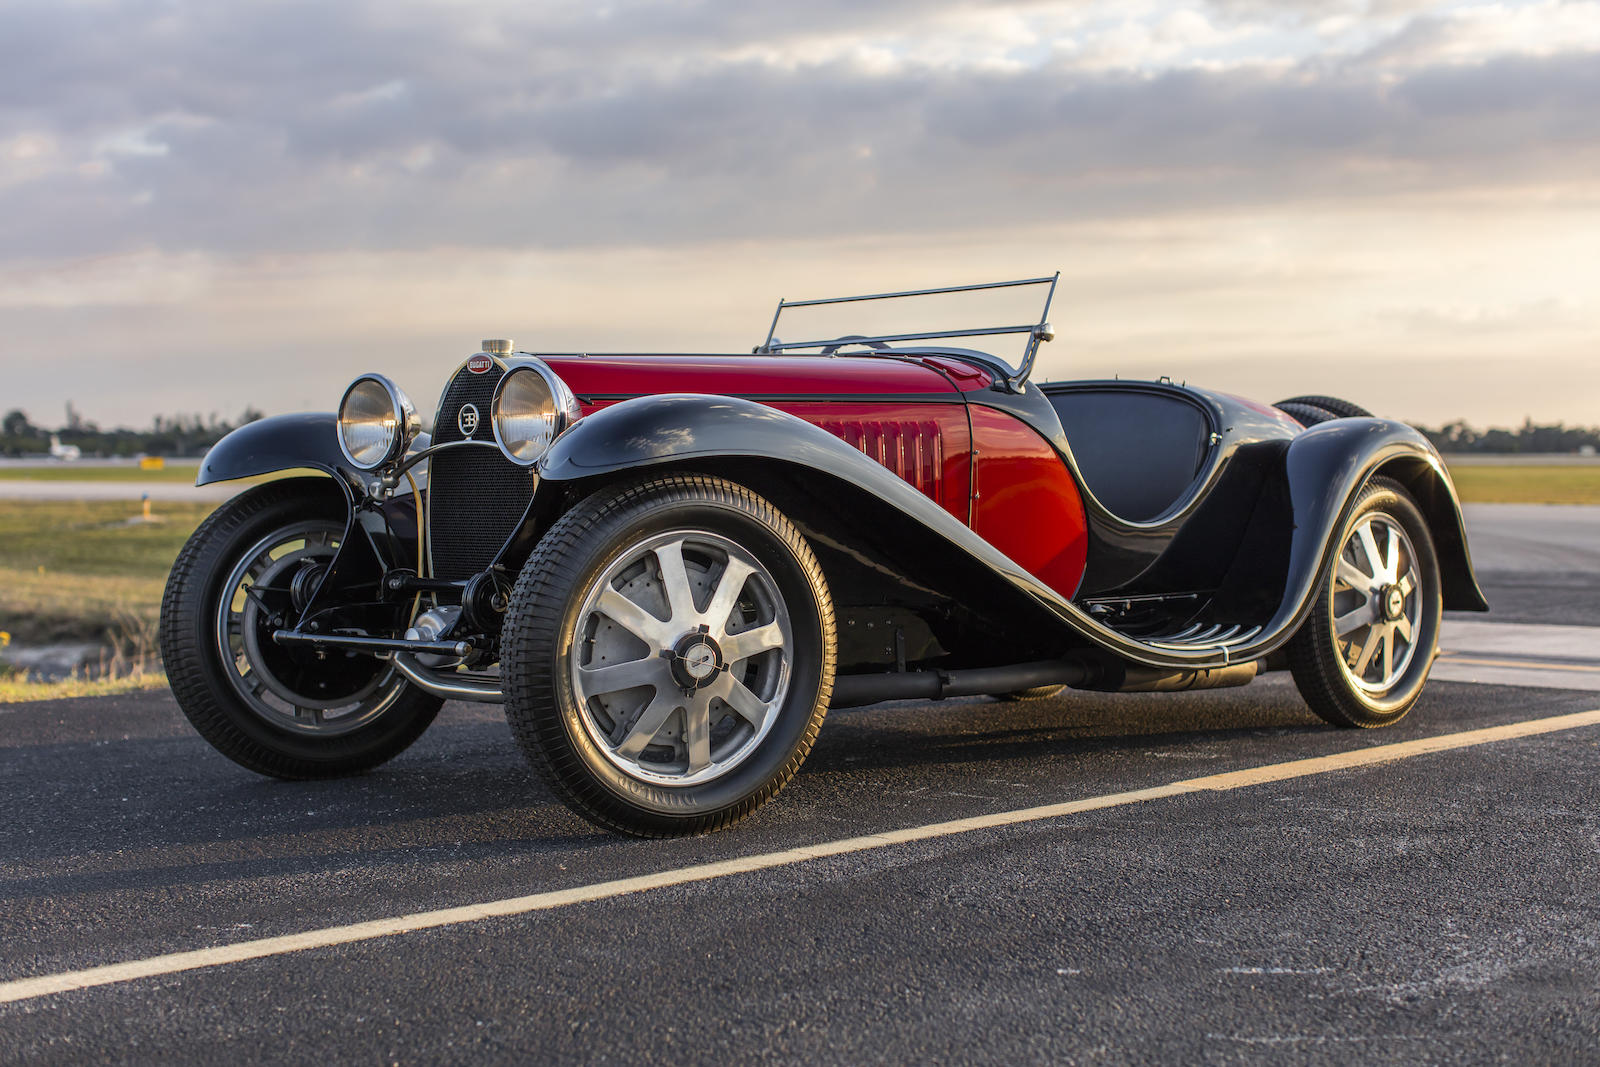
pixel 565 408
pixel 407 423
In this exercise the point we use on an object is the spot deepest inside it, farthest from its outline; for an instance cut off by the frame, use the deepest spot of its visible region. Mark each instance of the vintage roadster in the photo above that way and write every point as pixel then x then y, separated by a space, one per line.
pixel 668 568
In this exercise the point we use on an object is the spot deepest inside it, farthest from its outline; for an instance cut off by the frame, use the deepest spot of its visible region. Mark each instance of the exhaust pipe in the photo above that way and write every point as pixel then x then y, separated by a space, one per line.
pixel 854 690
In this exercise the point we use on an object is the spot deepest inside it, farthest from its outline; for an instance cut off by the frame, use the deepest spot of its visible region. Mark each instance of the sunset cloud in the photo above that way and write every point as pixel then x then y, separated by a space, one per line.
pixel 164 160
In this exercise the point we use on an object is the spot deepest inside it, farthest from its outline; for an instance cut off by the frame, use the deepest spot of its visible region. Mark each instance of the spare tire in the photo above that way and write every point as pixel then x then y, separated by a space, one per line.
pixel 1305 414
pixel 1339 409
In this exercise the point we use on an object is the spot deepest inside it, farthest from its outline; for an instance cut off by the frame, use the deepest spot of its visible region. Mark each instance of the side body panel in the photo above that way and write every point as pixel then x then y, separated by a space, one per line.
pixel 927 445
pixel 1024 501
pixel 688 430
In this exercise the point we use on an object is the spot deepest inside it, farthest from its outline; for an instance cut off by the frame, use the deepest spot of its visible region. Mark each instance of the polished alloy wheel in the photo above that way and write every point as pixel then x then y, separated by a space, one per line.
pixel 1376 610
pixel 292 689
pixel 681 658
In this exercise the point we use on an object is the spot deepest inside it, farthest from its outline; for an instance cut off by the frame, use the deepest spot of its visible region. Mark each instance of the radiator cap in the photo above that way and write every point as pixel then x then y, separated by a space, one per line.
pixel 498 346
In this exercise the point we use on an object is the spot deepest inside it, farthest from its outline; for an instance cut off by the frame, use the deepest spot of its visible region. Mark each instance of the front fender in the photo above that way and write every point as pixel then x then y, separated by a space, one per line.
pixel 309 440
pixel 277 443
pixel 1325 468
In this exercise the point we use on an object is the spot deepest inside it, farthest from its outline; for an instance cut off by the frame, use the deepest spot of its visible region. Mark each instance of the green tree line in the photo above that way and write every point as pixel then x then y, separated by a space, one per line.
pixel 1459 437
pixel 167 435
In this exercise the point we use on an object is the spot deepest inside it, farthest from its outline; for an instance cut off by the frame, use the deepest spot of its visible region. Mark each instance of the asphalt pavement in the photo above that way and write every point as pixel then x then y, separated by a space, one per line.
pixel 1437 907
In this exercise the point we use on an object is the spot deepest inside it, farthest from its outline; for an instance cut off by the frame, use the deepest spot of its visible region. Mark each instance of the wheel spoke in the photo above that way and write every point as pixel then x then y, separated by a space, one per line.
pixel 1391 563
pixel 750 642
pixel 631 617
pixel 1402 626
pixel 649 723
pixel 1352 619
pixel 729 586
pixel 697 734
pixel 1364 661
pixel 736 695
pixel 1388 653
pixel 1352 576
pixel 1406 586
pixel 596 681
pixel 1369 545
pixel 680 598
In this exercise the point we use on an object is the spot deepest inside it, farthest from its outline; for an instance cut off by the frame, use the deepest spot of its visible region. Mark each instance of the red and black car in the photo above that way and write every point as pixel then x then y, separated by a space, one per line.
pixel 668 567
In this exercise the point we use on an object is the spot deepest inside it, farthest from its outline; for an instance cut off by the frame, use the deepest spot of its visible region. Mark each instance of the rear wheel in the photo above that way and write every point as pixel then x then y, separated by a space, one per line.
pixel 285 712
pixel 1363 655
pixel 669 655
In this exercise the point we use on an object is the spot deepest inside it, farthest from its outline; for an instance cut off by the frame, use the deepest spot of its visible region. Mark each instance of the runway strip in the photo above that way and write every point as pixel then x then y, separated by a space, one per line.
pixel 47 985
pixel 1535 655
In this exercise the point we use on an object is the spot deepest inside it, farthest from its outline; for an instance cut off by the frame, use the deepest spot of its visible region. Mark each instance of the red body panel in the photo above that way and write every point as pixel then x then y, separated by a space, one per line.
pixel 1019 497
pixel 929 445
pixel 1025 502
pixel 757 377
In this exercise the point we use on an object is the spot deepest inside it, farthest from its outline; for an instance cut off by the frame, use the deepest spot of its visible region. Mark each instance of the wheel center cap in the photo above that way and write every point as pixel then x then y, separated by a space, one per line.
pixel 700 660
pixel 696 660
pixel 1393 601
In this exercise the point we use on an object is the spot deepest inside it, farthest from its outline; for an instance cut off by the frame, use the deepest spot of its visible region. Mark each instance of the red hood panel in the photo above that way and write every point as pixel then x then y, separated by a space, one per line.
pixel 752 376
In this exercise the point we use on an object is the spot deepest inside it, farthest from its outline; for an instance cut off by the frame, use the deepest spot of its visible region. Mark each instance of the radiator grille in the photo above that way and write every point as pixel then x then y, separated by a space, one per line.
pixel 912 449
pixel 476 497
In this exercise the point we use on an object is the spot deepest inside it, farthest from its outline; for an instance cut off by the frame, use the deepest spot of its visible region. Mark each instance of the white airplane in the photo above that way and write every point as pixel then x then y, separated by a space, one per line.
pixel 61 451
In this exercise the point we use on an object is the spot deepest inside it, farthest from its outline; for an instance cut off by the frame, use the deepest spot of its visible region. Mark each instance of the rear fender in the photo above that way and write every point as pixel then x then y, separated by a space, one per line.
pixel 1327 465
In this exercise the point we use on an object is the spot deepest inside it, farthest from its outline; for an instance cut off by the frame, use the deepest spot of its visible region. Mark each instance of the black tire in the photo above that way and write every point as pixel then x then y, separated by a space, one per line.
pixel 375 713
pixel 1332 406
pixel 555 631
pixel 1372 692
pixel 1038 692
pixel 1305 414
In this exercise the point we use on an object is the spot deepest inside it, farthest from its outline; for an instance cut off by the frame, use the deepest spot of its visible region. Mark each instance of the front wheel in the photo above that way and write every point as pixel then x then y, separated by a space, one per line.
pixel 1363 655
pixel 285 712
pixel 669 655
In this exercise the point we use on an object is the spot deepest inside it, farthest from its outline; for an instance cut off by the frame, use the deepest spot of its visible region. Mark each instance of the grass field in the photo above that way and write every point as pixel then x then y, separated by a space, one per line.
pixel 85 570
pixel 1527 485
pixel 182 473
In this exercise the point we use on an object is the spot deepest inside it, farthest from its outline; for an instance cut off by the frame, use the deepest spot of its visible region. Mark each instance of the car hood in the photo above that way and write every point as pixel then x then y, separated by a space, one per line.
pixel 601 378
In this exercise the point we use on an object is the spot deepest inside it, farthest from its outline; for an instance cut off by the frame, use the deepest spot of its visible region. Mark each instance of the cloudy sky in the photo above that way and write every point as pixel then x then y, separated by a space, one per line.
pixel 204 206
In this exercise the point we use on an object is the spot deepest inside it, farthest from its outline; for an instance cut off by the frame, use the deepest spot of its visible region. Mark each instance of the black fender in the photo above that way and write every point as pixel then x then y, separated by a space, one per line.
pixel 377 534
pixel 309 441
pixel 1326 466
pixel 277 443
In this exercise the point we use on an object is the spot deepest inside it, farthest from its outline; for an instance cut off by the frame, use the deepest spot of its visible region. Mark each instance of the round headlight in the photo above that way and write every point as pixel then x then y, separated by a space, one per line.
pixel 376 422
pixel 530 409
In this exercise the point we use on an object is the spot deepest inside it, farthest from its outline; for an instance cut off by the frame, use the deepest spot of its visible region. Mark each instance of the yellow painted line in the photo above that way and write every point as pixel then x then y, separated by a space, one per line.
pixel 173 963
pixel 1535 665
